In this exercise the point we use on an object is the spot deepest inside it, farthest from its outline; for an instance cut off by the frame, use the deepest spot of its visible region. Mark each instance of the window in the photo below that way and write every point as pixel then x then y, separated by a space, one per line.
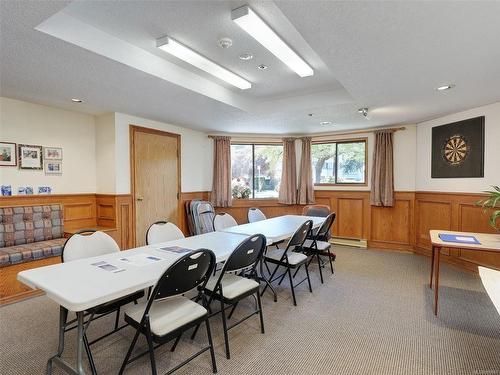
pixel 339 162
pixel 256 170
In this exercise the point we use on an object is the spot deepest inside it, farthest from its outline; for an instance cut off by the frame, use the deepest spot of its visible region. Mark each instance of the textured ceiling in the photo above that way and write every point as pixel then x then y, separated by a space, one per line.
pixel 387 56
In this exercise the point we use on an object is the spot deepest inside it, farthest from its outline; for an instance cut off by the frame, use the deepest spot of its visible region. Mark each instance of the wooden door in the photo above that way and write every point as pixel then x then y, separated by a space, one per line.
pixel 155 178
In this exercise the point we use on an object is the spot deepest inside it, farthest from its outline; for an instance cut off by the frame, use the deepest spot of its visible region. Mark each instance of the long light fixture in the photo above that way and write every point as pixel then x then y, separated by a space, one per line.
pixel 186 54
pixel 250 22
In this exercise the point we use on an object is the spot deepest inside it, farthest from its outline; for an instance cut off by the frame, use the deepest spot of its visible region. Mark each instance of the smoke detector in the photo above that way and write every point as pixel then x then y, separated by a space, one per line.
pixel 225 42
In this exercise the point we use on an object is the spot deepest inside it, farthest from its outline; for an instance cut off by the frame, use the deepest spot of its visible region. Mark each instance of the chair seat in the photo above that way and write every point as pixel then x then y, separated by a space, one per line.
pixel 322 245
pixel 167 315
pixel 116 303
pixel 294 258
pixel 233 286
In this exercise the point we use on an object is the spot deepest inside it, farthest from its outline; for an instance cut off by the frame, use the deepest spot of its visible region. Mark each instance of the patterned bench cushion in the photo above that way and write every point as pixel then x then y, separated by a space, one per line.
pixel 30 232
pixel 27 224
pixel 31 251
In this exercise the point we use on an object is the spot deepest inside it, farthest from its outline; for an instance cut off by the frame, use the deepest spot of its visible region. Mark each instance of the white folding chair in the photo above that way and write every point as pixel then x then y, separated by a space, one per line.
pixel 254 214
pixel 224 220
pixel 90 243
pixel 162 231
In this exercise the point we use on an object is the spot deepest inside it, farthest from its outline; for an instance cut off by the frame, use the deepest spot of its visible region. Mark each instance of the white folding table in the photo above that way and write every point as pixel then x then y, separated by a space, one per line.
pixel 78 285
pixel 277 228
pixel 491 282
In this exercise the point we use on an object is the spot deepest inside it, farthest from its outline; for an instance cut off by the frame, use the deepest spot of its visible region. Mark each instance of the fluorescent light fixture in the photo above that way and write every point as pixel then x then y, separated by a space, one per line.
pixel 445 87
pixel 325 123
pixel 250 22
pixel 186 54
pixel 76 100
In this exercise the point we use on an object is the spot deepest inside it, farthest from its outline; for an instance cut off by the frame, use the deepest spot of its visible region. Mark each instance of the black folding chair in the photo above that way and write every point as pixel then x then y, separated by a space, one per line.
pixel 318 244
pixel 237 280
pixel 290 259
pixel 167 313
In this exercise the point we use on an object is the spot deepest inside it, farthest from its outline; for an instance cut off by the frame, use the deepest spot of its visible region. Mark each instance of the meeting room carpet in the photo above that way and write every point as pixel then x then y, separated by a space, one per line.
pixel 374 316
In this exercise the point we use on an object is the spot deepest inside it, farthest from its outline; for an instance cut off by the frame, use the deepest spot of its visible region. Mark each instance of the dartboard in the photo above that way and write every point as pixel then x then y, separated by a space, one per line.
pixel 455 150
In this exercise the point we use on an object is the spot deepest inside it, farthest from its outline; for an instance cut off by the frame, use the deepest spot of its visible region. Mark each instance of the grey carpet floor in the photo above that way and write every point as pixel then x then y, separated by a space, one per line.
pixel 374 316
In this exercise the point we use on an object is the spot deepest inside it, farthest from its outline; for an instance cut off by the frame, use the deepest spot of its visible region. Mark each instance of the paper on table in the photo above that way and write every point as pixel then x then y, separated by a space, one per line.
pixel 175 249
pixel 458 238
pixel 141 259
pixel 107 266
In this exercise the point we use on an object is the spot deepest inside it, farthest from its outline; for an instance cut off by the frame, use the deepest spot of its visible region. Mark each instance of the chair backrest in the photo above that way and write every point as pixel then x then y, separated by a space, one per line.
pixel 188 272
pixel 88 243
pixel 247 254
pixel 224 220
pixel 323 232
pixel 320 210
pixel 254 214
pixel 163 231
pixel 300 235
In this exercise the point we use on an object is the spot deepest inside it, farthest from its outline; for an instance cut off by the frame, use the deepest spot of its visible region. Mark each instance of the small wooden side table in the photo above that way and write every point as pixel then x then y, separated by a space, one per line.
pixel 488 242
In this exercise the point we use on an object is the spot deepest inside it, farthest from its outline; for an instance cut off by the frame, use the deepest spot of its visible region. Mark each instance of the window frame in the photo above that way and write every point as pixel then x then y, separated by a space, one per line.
pixel 341 141
pixel 253 144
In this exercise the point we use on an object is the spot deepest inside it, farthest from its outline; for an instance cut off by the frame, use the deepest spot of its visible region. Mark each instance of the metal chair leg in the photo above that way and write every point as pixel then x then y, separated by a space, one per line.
pixel 330 259
pixel 308 278
pixel 129 353
pixel 210 343
pixel 117 319
pixel 291 285
pixel 224 326
pixel 270 278
pixel 259 303
pixel 151 352
pixel 172 349
pixel 319 266
pixel 232 310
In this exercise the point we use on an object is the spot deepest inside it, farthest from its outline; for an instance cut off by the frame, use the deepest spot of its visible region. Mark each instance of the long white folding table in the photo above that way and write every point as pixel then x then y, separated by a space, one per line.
pixel 491 282
pixel 78 285
pixel 277 228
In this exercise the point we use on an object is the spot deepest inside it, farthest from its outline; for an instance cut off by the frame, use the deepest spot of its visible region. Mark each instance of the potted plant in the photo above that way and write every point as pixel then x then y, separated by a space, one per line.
pixel 492 202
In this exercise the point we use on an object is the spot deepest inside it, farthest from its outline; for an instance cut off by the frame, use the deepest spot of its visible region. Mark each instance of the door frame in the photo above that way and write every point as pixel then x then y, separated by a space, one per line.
pixel 133 129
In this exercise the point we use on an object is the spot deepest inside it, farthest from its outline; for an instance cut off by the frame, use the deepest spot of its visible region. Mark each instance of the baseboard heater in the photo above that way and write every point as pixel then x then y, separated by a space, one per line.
pixel 346 241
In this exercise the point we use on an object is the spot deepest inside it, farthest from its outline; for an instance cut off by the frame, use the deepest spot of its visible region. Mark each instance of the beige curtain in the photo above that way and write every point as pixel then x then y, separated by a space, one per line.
pixel 288 187
pixel 221 185
pixel 306 186
pixel 382 191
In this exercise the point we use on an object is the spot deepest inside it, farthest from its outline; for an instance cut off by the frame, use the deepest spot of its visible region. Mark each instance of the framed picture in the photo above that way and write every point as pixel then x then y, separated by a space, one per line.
pixel 53 167
pixel 8 155
pixel 458 149
pixel 30 157
pixel 52 153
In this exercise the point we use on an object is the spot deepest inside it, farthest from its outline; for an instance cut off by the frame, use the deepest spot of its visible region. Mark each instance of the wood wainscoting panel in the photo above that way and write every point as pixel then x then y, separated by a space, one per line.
pixel 431 215
pixel 350 217
pixel 393 227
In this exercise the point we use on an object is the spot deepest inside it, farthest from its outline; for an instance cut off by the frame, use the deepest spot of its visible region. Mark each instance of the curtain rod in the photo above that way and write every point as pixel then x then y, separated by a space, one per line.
pixel 317 135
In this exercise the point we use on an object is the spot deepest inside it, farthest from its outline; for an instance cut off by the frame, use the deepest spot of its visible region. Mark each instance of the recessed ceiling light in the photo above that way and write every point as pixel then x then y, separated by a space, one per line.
pixel 186 54
pixel 246 56
pixel 445 87
pixel 262 67
pixel 325 123
pixel 250 22
pixel 76 100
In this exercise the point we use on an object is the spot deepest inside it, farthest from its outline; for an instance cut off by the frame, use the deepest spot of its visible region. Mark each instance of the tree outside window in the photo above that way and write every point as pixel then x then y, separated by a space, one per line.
pixel 339 162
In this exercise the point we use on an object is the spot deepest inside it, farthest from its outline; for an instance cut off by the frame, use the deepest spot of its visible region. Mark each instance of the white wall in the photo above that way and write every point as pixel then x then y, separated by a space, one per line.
pixel 105 154
pixel 28 123
pixel 196 154
pixel 424 182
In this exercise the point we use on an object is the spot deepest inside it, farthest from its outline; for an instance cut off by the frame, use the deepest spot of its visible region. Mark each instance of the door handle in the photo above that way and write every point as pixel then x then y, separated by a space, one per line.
pixel 140 199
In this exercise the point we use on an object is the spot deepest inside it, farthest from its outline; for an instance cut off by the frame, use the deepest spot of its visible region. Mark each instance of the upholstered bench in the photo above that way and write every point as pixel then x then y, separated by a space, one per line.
pixel 28 234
